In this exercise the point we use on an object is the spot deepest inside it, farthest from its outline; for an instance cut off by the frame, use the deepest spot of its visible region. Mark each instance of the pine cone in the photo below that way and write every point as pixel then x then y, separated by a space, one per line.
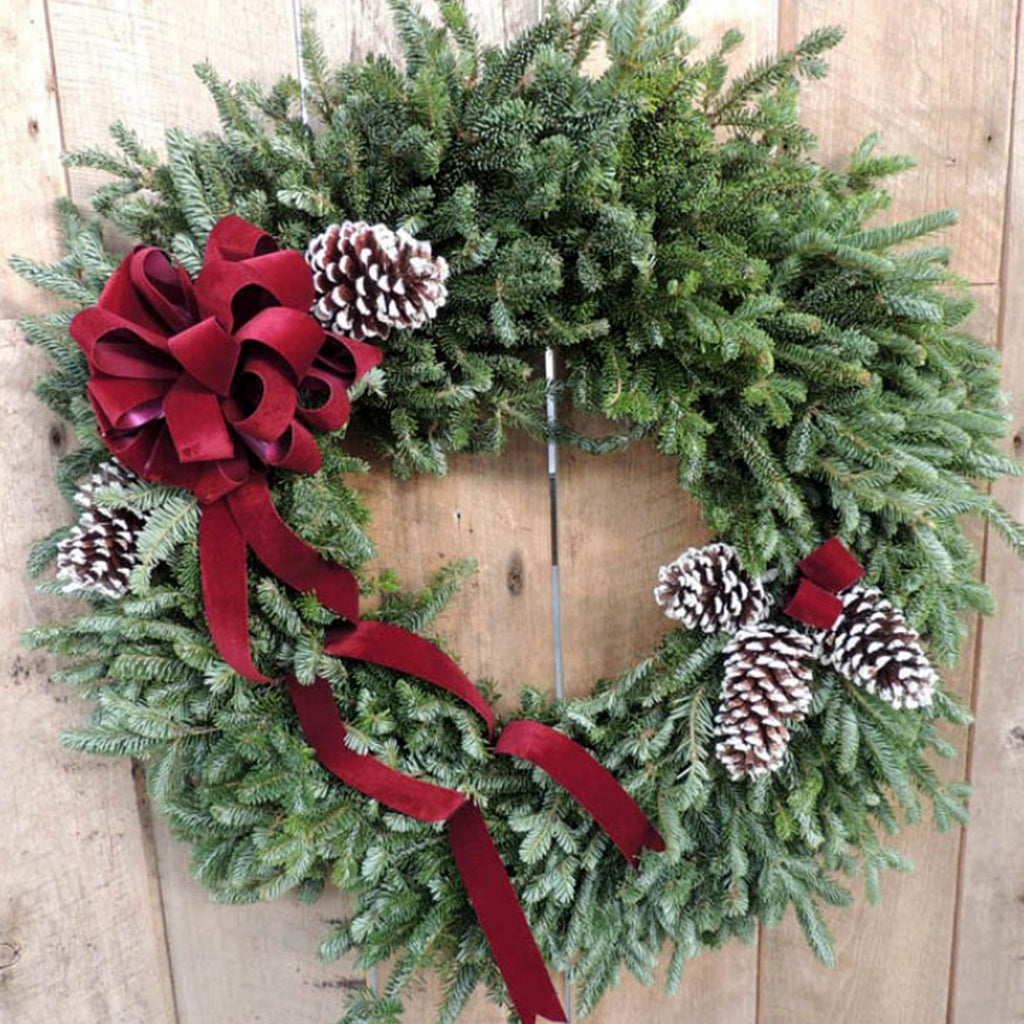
pixel 707 588
pixel 872 645
pixel 98 554
pixel 370 279
pixel 768 671
pixel 108 476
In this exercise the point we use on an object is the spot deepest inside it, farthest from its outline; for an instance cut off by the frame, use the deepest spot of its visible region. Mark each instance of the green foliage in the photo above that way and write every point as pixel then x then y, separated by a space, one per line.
pixel 709 287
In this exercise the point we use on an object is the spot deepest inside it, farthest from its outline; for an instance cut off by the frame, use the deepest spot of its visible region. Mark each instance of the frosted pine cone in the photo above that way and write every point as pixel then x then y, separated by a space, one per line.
pixel 707 588
pixel 370 279
pixel 108 476
pixel 100 551
pixel 872 645
pixel 768 672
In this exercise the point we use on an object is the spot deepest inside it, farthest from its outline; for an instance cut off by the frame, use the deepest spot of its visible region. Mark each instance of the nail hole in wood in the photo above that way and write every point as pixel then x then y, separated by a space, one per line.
pixel 57 436
pixel 514 578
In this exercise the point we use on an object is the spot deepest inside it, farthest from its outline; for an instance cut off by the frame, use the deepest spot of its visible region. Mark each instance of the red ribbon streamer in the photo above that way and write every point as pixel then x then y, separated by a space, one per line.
pixel 204 385
pixel 398 649
pixel 476 857
pixel 589 782
pixel 827 571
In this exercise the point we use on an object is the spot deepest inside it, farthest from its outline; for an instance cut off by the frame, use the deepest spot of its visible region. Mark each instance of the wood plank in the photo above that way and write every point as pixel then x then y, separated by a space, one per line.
pixel 121 60
pixel 30 140
pixel 81 936
pixel 756 19
pixel 619 518
pixel 958 125
pixel 988 964
pixel 495 510
pixel 902 946
pixel 948 105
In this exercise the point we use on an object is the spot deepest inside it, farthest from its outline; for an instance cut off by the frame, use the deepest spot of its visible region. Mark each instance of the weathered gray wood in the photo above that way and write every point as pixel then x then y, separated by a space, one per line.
pixel 81 935
pixel 936 78
pixel 494 510
pixel 988 968
pixel 249 964
pixel 904 947
pixel 119 60
pixel 32 176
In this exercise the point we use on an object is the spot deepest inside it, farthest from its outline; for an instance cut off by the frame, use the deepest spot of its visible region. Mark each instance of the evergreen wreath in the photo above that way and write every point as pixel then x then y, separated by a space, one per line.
pixel 709 287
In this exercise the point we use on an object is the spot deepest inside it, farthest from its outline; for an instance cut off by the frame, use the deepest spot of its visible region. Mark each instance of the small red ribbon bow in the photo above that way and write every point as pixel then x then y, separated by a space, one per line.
pixel 827 571
pixel 204 386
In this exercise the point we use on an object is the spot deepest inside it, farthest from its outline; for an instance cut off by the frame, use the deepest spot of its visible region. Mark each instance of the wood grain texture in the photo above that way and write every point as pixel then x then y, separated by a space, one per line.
pixel 936 78
pixel 30 141
pixel 81 936
pixel 988 968
pixel 708 20
pixel 494 509
pixel 130 61
pixel 619 517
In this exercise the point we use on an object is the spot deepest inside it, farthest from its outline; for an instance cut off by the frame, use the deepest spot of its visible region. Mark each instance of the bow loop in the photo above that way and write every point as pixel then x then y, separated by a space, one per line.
pixel 235 292
pixel 130 294
pixel 233 239
pixel 101 333
pixel 323 400
pixel 127 405
pixel 293 336
pixel 165 288
pixel 196 423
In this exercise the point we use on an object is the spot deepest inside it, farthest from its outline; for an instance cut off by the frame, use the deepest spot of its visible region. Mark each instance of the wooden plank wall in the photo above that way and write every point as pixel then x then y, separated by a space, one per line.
pixel 99 919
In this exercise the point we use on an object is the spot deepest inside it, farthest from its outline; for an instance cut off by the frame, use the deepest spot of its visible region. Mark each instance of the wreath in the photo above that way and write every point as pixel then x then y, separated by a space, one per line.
pixel 707 287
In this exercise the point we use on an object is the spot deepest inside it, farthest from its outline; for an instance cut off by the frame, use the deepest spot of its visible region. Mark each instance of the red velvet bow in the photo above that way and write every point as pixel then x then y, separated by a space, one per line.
pixel 827 571
pixel 204 386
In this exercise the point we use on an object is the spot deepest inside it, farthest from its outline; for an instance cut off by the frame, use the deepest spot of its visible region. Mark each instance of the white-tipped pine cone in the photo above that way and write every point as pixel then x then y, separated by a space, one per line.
pixel 708 589
pixel 873 645
pixel 98 554
pixel 370 279
pixel 768 672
